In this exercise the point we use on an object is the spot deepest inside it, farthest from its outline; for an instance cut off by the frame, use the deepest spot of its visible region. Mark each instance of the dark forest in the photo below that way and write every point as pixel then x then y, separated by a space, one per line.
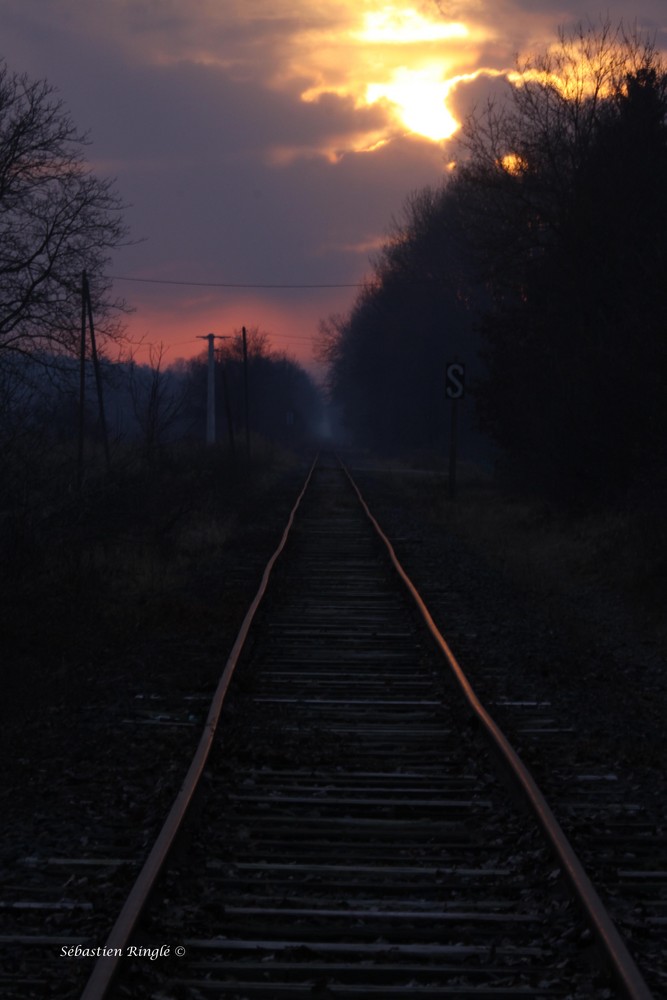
pixel 540 262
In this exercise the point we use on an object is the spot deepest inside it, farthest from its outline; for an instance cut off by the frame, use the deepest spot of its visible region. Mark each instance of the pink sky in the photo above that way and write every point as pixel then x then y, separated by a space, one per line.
pixel 271 144
pixel 176 317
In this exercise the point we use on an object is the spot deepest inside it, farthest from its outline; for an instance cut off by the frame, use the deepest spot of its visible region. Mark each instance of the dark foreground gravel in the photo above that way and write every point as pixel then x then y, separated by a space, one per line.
pixel 101 744
pixel 602 680
pixel 97 736
pixel 583 648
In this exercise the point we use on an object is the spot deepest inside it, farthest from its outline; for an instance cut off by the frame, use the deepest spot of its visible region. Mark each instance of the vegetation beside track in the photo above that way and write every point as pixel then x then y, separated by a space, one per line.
pixel 616 555
pixel 144 560
pixel 135 565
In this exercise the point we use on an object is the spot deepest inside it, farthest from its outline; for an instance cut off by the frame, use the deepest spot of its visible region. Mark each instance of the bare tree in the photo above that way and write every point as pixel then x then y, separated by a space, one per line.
pixel 564 192
pixel 157 399
pixel 56 220
pixel 521 156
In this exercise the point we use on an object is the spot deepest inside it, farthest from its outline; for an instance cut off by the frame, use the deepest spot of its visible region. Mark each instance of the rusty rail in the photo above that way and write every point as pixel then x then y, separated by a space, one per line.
pixel 620 961
pixel 623 966
pixel 106 967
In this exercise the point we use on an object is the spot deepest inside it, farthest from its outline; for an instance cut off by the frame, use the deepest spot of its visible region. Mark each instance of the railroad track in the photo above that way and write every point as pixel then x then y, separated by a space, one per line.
pixel 349 835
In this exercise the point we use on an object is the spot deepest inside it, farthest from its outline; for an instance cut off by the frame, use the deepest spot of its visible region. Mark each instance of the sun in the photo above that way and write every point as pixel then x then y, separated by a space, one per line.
pixel 416 92
pixel 399 58
pixel 418 99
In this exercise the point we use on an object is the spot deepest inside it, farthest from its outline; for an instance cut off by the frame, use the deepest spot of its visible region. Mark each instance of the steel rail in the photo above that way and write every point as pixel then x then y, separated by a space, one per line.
pixel 106 967
pixel 623 966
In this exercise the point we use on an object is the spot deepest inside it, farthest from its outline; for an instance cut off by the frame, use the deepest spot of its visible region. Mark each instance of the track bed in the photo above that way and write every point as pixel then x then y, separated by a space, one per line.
pixel 351 838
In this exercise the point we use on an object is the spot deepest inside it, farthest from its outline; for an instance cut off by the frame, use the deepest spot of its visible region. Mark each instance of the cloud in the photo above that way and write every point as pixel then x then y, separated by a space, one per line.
pixel 261 142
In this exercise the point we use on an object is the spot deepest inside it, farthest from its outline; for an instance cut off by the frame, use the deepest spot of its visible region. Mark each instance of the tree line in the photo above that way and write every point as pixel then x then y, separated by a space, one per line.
pixel 59 222
pixel 540 261
pixel 257 390
pixel 259 393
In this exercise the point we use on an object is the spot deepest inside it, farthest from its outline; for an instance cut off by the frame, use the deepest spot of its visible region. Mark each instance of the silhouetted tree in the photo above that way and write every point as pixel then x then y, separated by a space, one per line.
pixel 56 220
pixel 386 362
pixel 158 398
pixel 285 404
pixel 565 194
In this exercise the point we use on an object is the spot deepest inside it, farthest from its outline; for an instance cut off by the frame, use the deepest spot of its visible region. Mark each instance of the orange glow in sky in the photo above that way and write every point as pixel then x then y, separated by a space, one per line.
pixel 513 164
pixel 261 148
pixel 405 26
pixel 396 62
pixel 417 97
pixel 395 56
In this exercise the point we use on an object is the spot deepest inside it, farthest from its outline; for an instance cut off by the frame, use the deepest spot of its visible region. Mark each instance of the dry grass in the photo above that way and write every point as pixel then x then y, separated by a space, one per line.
pixel 131 555
pixel 619 553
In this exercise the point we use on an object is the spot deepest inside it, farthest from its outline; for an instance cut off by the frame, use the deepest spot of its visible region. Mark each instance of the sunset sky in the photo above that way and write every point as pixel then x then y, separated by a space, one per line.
pixel 261 142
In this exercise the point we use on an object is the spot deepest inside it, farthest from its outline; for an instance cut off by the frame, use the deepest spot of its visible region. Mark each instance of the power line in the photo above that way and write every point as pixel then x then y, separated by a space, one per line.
pixel 269 333
pixel 291 336
pixel 223 284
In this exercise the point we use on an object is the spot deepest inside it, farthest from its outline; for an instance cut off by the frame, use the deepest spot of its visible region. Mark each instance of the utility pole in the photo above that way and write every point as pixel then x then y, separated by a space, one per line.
pixel 82 389
pixel 247 398
pixel 87 313
pixel 228 409
pixel 210 393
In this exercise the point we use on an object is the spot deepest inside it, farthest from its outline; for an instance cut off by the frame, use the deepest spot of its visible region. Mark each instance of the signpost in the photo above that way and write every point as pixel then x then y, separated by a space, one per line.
pixel 454 390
